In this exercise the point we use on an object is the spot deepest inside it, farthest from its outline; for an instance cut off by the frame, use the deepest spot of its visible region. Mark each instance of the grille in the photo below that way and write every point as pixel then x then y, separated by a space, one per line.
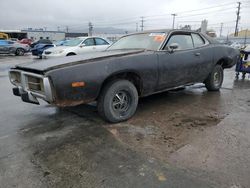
pixel 47 53
pixel 35 84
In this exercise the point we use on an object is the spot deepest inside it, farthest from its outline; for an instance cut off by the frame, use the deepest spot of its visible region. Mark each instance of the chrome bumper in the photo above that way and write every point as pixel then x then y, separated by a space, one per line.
pixel 22 88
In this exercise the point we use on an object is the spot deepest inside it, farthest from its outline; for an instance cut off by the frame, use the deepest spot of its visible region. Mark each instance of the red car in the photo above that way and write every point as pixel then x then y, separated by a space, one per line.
pixel 26 41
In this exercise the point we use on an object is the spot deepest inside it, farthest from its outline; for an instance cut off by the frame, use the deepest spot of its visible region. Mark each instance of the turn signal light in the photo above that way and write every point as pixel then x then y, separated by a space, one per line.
pixel 78 84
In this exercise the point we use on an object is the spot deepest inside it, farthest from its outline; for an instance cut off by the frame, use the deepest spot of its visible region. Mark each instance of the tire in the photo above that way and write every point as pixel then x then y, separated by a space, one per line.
pixel 118 101
pixel 20 52
pixel 215 79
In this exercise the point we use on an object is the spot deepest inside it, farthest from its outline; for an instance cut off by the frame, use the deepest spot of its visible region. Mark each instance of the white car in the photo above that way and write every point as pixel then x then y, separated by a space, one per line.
pixel 77 46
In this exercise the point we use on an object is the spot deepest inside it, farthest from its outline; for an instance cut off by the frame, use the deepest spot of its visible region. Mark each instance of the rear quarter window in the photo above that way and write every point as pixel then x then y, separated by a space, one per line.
pixel 198 40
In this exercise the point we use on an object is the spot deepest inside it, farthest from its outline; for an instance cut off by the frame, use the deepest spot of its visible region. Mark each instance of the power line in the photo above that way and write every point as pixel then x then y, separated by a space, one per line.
pixel 150 16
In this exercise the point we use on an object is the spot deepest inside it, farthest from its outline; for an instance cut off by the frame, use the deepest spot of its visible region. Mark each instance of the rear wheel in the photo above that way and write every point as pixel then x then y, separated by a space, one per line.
pixel 118 101
pixel 20 52
pixel 215 79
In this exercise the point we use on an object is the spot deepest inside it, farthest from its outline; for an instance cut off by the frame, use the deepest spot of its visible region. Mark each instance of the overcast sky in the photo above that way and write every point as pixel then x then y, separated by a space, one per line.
pixel 19 14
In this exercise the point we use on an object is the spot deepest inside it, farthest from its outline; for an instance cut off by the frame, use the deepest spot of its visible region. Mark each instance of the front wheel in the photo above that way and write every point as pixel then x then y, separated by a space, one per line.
pixel 215 79
pixel 118 101
pixel 20 52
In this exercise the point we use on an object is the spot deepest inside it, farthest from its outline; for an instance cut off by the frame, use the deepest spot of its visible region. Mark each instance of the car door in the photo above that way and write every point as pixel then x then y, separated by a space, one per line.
pixel 101 44
pixel 176 66
pixel 5 46
pixel 204 53
pixel 88 45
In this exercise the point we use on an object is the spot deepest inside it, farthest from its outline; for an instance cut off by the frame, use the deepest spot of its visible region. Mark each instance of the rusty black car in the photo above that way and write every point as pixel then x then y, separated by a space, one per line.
pixel 137 65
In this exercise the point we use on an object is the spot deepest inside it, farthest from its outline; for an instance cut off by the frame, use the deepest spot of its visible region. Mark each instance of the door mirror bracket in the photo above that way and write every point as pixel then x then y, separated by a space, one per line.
pixel 172 47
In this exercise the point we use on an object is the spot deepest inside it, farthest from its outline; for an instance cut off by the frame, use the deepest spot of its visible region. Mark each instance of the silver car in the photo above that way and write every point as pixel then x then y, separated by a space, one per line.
pixel 12 47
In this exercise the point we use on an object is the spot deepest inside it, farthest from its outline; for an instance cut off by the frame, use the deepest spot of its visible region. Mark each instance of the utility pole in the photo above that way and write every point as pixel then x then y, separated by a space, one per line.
pixel 173 19
pixel 142 23
pixel 237 19
pixel 67 29
pixel 136 27
pixel 221 27
pixel 90 29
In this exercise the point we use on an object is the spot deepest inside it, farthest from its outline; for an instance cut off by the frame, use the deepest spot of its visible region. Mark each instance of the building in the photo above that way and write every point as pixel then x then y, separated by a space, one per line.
pixel 18 34
pixel 36 34
pixel 242 33
pixel 41 34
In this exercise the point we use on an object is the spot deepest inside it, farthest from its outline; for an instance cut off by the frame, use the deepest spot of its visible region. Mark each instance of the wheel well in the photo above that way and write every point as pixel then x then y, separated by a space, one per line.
pixel 223 63
pixel 130 76
pixel 71 53
pixel 19 49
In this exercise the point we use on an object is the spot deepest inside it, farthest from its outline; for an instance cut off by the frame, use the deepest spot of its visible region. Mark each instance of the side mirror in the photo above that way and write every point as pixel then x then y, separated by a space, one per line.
pixel 173 47
pixel 82 45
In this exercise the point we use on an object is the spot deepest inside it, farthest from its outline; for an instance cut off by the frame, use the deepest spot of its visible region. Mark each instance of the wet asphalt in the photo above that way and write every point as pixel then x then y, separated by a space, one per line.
pixel 187 138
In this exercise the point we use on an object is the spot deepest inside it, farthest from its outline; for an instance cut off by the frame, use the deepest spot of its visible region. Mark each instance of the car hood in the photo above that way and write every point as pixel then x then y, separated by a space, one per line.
pixel 51 64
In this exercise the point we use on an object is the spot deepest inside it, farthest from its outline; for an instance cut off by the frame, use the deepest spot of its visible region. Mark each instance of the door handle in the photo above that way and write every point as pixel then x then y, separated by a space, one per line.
pixel 197 54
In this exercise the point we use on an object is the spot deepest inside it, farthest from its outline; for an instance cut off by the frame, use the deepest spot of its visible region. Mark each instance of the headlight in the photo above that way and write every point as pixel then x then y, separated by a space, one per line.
pixel 15 77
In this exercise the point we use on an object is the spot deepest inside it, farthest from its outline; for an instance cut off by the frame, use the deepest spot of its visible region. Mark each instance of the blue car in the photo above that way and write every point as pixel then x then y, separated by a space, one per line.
pixel 39 48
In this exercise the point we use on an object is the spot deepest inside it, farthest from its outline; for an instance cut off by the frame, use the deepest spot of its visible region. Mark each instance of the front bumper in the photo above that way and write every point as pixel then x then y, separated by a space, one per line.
pixel 52 55
pixel 24 91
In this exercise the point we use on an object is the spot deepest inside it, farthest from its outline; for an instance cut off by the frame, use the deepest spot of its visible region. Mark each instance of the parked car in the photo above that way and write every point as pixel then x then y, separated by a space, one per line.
pixel 247 48
pixel 26 41
pixel 60 43
pixel 11 47
pixel 39 48
pixel 14 39
pixel 41 41
pixel 137 65
pixel 77 46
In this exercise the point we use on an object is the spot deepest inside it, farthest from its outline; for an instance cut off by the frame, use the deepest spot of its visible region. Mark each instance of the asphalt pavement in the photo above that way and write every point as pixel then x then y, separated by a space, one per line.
pixel 185 138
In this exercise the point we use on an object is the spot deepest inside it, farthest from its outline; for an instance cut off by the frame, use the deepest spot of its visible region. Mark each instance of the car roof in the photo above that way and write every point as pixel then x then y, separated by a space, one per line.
pixel 165 31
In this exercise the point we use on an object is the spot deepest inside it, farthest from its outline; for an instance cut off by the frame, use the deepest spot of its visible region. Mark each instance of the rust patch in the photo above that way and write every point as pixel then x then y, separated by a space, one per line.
pixel 66 103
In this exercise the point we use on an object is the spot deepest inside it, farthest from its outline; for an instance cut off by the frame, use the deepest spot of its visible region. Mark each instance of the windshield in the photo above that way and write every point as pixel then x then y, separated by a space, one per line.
pixel 149 41
pixel 73 42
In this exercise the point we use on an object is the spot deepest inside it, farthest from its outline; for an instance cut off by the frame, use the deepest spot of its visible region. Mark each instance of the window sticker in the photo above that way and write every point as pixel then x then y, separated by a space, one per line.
pixel 158 37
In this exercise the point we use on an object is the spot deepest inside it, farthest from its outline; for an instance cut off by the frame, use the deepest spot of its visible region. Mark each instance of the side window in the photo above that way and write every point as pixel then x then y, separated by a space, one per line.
pixel 89 42
pixel 99 41
pixel 184 41
pixel 198 41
